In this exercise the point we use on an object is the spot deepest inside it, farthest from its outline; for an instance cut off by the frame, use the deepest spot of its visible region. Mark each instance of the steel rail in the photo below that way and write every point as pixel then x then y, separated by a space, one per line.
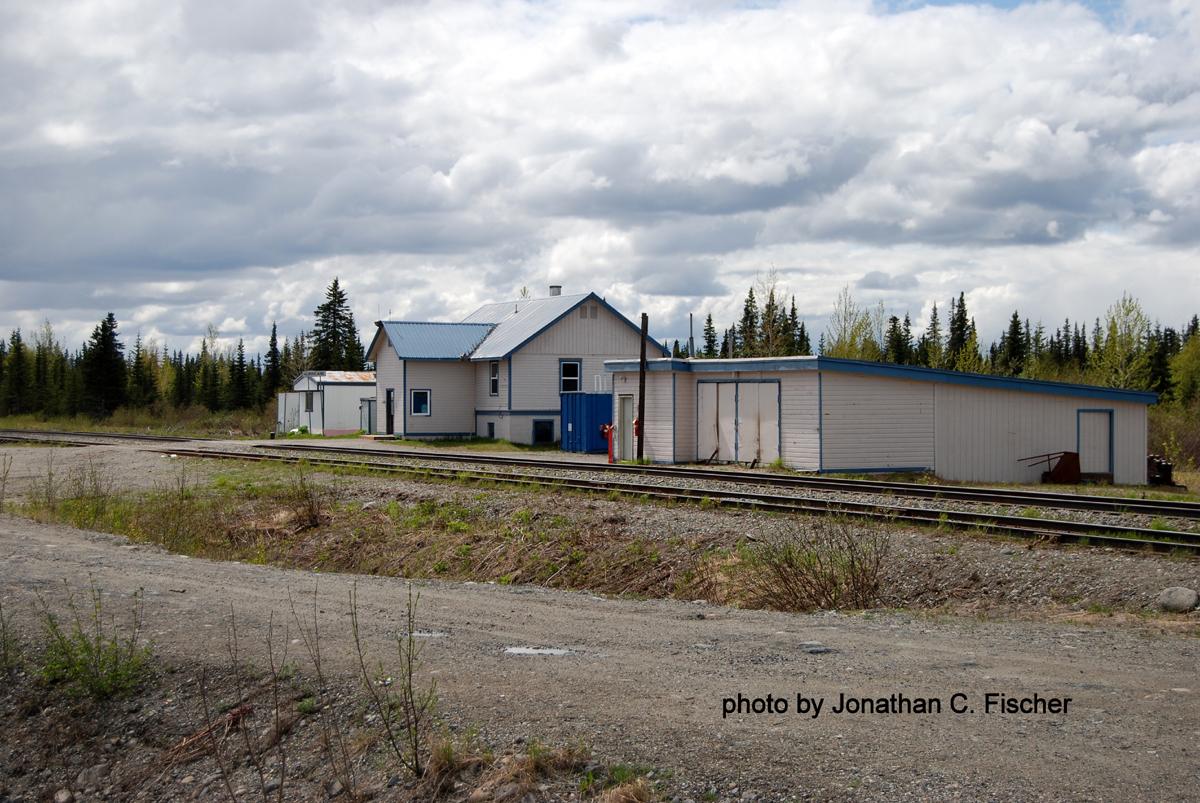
pixel 1043 499
pixel 1052 531
pixel 1047 499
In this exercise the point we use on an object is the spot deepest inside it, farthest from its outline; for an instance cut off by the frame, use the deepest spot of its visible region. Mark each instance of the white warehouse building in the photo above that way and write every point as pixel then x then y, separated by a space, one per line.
pixel 328 403
pixel 833 415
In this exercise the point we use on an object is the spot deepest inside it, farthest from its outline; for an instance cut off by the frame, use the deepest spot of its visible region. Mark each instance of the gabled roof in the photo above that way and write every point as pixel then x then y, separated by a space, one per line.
pixel 492 332
pixel 427 340
pixel 518 322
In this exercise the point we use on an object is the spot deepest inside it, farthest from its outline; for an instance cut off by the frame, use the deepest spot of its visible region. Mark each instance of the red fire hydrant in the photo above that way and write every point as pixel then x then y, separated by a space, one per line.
pixel 607 431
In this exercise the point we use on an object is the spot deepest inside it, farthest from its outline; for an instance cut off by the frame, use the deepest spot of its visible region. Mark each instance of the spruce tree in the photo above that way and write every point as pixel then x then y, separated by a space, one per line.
pixel 335 342
pixel 956 338
pixel 272 369
pixel 930 347
pixel 710 338
pixel 103 370
pixel 15 397
pixel 747 330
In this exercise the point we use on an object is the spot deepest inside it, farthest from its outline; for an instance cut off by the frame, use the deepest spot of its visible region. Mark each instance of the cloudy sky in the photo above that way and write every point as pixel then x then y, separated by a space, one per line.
pixel 187 163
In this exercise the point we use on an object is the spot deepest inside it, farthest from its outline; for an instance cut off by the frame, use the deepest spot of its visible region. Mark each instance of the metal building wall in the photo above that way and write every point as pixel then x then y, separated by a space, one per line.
pixel 874 423
pixel 452 397
pixel 659 422
pixel 982 433
pixel 341 413
pixel 389 373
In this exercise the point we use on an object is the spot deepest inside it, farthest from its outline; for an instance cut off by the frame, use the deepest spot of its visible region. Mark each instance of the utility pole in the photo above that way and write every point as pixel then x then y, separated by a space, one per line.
pixel 641 408
pixel 691 337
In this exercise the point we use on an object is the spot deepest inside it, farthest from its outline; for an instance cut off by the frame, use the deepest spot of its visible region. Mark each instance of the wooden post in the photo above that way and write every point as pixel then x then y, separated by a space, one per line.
pixel 641 408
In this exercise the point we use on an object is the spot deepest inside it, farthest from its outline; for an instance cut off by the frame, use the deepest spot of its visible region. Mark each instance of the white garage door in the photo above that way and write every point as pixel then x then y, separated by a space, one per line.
pixel 738 421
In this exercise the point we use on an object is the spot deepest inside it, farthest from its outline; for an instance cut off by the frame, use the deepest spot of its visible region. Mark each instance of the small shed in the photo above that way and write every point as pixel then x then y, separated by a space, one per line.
pixel 833 415
pixel 328 403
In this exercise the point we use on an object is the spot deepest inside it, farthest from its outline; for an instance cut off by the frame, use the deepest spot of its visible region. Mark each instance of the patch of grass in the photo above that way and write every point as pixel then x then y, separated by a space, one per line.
pixel 91 655
pixel 10 646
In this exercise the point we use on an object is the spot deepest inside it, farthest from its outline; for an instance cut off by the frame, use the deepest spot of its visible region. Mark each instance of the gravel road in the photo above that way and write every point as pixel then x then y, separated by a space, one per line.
pixel 644 680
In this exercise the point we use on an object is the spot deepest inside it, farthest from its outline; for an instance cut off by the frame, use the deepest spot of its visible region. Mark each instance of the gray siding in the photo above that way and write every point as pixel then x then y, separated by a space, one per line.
pixel 981 434
pixel 389 373
pixel 341 413
pixel 658 426
pixel 591 340
pixel 452 409
pixel 876 423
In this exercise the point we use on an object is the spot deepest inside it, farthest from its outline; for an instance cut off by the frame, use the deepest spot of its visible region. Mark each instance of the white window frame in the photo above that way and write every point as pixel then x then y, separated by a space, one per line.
pixel 494 378
pixel 412 407
pixel 578 376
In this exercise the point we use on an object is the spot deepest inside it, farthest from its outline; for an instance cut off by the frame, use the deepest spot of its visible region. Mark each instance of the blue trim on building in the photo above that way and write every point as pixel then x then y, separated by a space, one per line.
pixel 1112 420
pixel 909 372
pixel 428 402
pixel 561 360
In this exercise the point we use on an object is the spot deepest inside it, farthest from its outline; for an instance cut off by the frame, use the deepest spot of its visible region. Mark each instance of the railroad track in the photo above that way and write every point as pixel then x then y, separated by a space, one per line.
pixel 33 435
pixel 949 493
pixel 1045 530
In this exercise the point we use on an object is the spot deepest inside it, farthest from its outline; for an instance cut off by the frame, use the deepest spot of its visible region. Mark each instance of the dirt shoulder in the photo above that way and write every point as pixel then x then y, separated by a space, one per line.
pixel 645 680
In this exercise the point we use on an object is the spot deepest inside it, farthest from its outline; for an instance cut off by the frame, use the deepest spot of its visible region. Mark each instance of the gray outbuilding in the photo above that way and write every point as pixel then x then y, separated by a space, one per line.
pixel 832 415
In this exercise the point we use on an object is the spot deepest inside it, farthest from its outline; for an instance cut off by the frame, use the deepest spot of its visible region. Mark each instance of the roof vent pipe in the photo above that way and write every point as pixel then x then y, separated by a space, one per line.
pixel 556 290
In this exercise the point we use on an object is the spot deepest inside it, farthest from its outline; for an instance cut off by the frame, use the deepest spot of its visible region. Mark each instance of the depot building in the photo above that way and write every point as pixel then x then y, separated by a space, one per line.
pixel 833 415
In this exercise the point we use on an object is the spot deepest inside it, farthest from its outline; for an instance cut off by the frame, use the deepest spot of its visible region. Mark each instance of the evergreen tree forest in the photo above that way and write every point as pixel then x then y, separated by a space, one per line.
pixel 1123 348
pixel 40 376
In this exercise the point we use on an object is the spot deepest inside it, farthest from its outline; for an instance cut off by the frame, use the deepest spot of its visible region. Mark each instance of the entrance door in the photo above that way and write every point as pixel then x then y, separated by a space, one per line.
pixel 747 422
pixel 390 412
pixel 768 423
pixel 625 433
pixel 1095 441
pixel 727 422
pixel 706 421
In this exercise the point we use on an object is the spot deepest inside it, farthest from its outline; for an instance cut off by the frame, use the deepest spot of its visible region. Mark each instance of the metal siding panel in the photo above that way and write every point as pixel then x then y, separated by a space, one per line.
pixel 451 403
pixel 768 422
pixel 876 422
pixel 727 422
pixel 981 434
pixel 389 372
pixel 747 422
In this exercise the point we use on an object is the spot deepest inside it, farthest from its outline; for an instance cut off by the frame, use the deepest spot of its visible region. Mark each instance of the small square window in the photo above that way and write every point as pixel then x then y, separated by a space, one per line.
pixel 569 376
pixel 494 378
pixel 420 402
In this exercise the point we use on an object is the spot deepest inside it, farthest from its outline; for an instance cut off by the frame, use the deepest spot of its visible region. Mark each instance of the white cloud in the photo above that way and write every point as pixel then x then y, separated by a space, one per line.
pixel 187 163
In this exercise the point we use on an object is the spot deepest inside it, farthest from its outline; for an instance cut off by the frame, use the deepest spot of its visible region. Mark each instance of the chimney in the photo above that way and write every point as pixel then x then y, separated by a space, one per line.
pixel 555 290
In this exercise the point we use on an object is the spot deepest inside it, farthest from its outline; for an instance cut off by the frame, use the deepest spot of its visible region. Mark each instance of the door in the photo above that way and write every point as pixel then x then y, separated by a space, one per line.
pixel 625 430
pixel 1095 441
pixel 768 423
pixel 706 421
pixel 727 422
pixel 747 422
pixel 390 411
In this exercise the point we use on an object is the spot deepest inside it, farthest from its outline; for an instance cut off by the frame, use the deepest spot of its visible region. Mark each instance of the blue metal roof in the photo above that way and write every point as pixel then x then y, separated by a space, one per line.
pixel 909 372
pixel 421 340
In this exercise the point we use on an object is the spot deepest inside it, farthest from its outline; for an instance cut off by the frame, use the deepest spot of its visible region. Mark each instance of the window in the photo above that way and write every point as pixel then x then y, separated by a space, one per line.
pixel 569 372
pixel 494 378
pixel 491 430
pixel 592 310
pixel 583 311
pixel 308 401
pixel 419 402
pixel 543 432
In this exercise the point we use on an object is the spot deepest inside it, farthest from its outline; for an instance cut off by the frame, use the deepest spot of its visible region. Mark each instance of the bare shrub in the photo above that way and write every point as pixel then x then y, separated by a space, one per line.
pixel 831 564
pixel 6 462
pixel 10 647
pixel 309 503
pixel 335 742
pixel 47 496
pixel 405 710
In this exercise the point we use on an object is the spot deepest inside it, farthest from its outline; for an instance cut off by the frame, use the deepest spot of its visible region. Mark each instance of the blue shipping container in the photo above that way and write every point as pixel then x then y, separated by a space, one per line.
pixel 582 416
